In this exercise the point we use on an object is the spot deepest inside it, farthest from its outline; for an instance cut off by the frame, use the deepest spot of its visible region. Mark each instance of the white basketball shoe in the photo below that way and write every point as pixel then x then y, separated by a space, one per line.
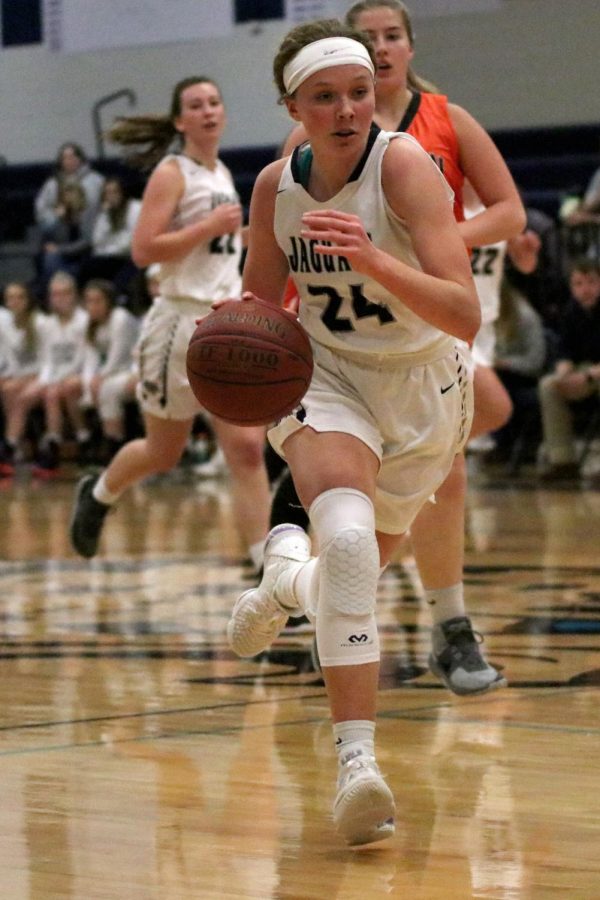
pixel 260 613
pixel 364 807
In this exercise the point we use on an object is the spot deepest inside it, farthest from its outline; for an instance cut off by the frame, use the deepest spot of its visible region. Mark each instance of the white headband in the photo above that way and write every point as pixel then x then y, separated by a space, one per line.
pixel 333 51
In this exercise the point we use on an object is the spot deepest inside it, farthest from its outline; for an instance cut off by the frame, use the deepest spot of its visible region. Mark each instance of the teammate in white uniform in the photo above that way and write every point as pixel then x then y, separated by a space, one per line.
pixel 23 333
pixel 363 221
pixel 190 223
pixel 62 361
pixel 487 265
pixel 111 338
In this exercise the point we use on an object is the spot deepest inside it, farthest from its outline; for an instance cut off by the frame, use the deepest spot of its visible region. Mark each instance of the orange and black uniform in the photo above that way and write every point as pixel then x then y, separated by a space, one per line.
pixel 428 120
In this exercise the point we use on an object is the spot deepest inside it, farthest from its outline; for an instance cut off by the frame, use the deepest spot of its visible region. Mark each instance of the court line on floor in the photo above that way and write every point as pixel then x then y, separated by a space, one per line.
pixel 416 716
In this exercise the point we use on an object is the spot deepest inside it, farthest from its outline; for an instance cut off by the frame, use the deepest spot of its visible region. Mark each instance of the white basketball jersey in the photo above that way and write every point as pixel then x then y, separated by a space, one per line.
pixel 487 265
pixel 64 348
pixel 26 357
pixel 211 271
pixel 345 310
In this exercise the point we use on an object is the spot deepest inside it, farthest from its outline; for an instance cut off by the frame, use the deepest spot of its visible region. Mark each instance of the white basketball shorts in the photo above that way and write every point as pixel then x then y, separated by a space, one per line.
pixel 163 388
pixel 484 346
pixel 414 418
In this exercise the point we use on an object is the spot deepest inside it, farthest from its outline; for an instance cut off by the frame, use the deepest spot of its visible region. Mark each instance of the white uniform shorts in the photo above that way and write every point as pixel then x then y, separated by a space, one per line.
pixel 163 388
pixel 484 346
pixel 114 391
pixel 414 418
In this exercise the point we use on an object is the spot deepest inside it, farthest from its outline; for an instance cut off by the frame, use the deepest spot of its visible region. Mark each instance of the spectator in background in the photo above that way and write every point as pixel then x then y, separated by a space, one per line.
pixel 24 334
pixel 5 320
pixel 62 364
pixel 581 215
pixel 112 235
pixel 586 209
pixel 520 356
pixel 71 167
pixel 576 375
pixel 66 242
pixel 106 380
pixel 487 265
pixel 544 285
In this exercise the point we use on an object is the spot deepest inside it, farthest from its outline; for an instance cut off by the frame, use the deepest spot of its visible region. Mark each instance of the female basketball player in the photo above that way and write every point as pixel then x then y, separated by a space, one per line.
pixel 462 149
pixel 24 332
pixel 190 223
pixel 363 221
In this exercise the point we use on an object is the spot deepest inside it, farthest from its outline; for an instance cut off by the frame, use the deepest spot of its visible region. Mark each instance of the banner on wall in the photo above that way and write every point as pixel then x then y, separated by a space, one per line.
pixel 304 10
pixel 76 26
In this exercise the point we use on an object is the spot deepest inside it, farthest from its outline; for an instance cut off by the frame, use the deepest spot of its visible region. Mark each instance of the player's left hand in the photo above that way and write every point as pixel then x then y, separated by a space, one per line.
pixel 217 304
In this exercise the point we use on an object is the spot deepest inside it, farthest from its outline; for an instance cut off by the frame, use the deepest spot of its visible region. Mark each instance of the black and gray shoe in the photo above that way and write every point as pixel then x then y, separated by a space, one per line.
pixel 296 625
pixel 88 518
pixel 456 659
pixel 7 460
pixel 48 459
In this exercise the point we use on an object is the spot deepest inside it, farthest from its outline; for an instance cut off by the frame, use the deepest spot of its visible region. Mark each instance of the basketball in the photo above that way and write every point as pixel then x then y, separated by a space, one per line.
pixel 249 363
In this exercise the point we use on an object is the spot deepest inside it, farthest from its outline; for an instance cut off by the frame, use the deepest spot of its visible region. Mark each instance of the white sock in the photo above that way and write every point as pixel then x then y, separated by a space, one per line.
pixel 445 603
pixel 354 737
pixel 306 587
pixel 256 552
pixel 102 494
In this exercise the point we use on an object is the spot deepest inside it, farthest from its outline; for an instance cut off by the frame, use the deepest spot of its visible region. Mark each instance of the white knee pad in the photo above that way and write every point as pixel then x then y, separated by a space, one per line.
pixel 344 523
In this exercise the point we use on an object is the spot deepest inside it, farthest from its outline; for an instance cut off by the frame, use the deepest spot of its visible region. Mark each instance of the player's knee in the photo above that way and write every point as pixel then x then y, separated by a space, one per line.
pixel 452 489
pixel 349 571
pixel 164 464
pixel 492 416
pixel 343 520
pixel 503 411
pixel 164 456
pixel 244 453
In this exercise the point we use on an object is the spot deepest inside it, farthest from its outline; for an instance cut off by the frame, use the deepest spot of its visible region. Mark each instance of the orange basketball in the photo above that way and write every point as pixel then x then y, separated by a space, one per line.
pixel 249 363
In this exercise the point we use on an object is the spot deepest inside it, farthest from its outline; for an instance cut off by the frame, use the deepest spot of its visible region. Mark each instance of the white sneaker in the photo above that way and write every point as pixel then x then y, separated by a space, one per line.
pixel 260 613
pixel 364 808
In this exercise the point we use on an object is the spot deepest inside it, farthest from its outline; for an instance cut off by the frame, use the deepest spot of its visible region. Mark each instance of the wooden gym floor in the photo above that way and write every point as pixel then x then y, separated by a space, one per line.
pixel 141 761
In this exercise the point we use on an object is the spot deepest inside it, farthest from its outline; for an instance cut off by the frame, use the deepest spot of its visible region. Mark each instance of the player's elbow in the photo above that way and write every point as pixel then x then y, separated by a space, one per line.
pixel 470 323
pixel 518 218
pixel 140 256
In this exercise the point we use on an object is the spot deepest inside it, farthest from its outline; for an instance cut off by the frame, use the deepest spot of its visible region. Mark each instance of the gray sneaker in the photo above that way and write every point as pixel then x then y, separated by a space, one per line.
pixel 87 519
pixel 260 614
pixel 457 660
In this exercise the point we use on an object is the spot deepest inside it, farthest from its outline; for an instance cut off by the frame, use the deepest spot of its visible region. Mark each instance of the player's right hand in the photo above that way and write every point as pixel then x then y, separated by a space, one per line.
pixel 226 218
